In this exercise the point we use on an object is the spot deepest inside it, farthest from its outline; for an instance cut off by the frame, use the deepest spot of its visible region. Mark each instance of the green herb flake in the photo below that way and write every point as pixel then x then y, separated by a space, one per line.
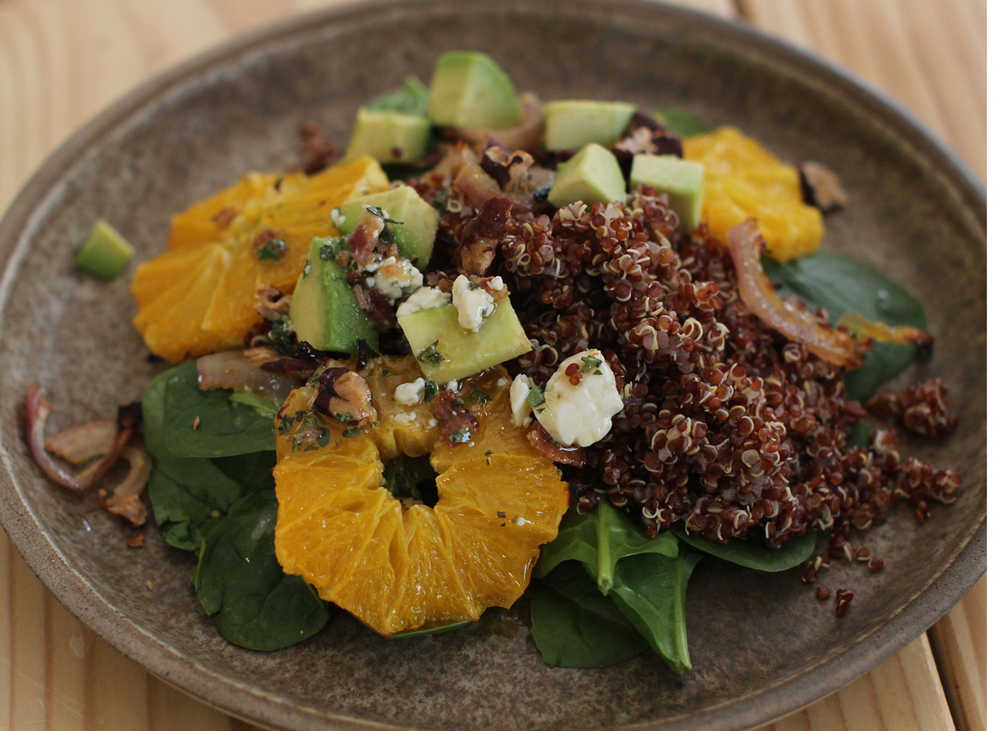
pixel 479 395
pixel 591 365
pixel 381 213
pixel 343 418
pixel 536 397
pixel 353 432
pixel 273 250
pixel 430 354
pixel 460 436
pixel 430 391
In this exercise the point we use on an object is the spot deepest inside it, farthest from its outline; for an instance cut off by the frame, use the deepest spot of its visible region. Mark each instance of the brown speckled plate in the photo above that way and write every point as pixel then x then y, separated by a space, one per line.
pixel 761 644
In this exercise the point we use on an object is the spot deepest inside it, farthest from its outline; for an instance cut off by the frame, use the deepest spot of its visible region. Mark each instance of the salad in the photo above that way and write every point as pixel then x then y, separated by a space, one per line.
pixel 498 351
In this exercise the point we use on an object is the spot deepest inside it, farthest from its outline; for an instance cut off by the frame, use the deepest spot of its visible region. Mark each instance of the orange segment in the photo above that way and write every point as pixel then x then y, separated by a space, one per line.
pixel 298 209
pixel 416 566
pixel 743 180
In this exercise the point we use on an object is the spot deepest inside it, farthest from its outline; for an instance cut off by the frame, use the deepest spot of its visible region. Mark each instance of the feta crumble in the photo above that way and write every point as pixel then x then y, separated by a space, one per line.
pixel 496 284
pixel 474 304
pixel 452 386
pixel 409 394
pixel 337 218
pixel 519 406
pixel 395 277
pixel 425 298
pixel 580 414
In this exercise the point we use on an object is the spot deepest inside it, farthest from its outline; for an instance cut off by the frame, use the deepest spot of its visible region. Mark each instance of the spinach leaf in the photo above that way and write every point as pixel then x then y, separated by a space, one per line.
pixel 252 471
pixel 239 581
pixel 575 626
pixel 432 631
pixel 599 540
pixel 679 122
pixel 754 555
pixel 842 285
pixel 266 407
pixel 173 404
pixel 650 591
pixel 412 98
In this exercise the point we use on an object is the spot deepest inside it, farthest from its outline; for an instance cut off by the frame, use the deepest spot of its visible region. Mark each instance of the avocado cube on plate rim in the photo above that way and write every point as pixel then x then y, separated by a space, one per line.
pixel 104 253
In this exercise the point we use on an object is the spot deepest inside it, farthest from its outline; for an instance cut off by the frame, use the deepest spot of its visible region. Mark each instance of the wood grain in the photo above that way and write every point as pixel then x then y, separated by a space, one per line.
pixel 61 61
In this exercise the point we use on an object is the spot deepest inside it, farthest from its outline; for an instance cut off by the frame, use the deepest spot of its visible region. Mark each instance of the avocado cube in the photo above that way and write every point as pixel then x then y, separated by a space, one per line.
pixel 682 180
pixel 389 136
pixel 415 236
pixel 591 175
pixel 105 253
pixel 573 123
pixel 445 350
pixel 324 311
pixel 469 89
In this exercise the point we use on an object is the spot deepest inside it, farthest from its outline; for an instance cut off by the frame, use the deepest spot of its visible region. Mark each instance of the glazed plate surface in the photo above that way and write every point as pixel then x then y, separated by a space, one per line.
pixel 761 644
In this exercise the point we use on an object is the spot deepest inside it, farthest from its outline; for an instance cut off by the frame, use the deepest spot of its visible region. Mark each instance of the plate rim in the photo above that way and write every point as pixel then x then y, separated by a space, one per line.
pixel 236 698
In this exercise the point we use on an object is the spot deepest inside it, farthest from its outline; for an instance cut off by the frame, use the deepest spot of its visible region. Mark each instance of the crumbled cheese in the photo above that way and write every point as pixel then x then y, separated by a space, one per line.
pixel 474 304
pixel 495 284
pixel 452 386
pixel 501 382
pixel 394 278
pixel 580 414
pixel 374 263
pixel 409 394
pixel 405 416
pixel 519 406
pixel 425 298
pixel 432 423
pixel 337 218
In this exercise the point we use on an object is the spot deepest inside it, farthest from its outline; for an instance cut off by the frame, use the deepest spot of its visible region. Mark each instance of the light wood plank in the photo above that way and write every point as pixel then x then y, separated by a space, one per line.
pixel 960 650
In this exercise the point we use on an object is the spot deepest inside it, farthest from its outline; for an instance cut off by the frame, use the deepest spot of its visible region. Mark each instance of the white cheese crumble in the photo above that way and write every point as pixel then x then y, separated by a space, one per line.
pixel 394 278
pixel 495 284
pixel 425 298
pixel 519 406
pixel 409 394
pixel 452 386
pixel 580 414
pixel 405 416
pixel 474 304
pixel 337 218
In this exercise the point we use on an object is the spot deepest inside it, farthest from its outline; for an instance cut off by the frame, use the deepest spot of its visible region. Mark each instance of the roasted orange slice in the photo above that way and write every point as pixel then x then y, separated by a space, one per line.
pixel 743 180
pixel 215 294
pixel 405 565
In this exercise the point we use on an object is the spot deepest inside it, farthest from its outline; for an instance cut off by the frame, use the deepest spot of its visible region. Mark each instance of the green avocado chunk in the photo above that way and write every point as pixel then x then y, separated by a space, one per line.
pixel 469 89
pixel 573 123
pixel 414 236
pixel 105 253
pixel 324 311
pixel 682 180
pixel 389 136
pixel 445 350
pixel 591 175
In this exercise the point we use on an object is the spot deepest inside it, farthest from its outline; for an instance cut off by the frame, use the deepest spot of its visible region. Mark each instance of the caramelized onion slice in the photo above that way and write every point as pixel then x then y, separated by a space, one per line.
pixel 82 442
pixel 125 498
pixel 37 410
pixel 543 444
pixel 862 327
pixel 234 370
pixel 758 294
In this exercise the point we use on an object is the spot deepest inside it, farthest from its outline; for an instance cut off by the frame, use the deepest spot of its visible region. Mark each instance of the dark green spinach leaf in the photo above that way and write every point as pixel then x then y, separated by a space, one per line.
pixel 650 591
pixel 681 123
pixel 575 626
pixel 180 420
pixel 412 98
pixel 842 285
pixel 240 583
pixel 599 540
pixel 265 406
pixel 755 555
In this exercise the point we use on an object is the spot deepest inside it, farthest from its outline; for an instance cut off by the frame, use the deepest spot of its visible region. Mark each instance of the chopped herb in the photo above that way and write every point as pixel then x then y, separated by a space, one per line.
pixel 479 395
pixel 460 436
pixel 430 391
pixel 281 335
pixel 273 250
pixel 353 431
pixel 381 213
pixel 474 285
pixel 285 424
pixel 323 438
pixel 592 364
pixel 430 354
pixel 440 201
pixel 343 418
pixel 535 397
pixel 327 252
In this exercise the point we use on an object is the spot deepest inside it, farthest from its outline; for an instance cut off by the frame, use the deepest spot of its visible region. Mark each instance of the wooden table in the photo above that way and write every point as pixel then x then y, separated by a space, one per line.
pixel 61 61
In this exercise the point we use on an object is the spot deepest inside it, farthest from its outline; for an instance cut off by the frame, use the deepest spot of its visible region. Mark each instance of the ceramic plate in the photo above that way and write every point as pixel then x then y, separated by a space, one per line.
pixel 761 644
